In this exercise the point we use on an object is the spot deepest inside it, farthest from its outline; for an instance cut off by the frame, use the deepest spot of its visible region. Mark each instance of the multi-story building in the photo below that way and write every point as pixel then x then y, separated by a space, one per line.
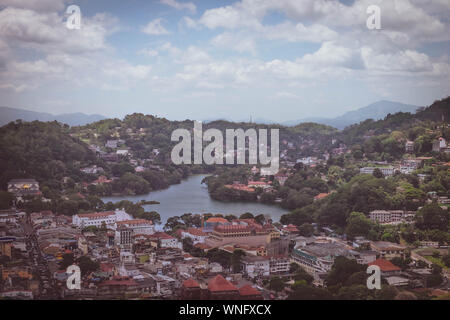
pixel 318 257
pixel 279 264
pixel 138 226
pixel 391 216
pixel 388 250
pixel 255 266
pixel 98 219
pixel 387 171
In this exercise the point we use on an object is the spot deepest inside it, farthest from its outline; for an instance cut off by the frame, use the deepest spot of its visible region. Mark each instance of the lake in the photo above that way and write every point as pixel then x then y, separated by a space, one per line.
pixel 190 196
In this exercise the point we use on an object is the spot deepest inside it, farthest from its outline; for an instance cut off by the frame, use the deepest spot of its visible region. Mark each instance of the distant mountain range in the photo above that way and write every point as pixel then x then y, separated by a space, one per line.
pixel 72 119
pixel 375 111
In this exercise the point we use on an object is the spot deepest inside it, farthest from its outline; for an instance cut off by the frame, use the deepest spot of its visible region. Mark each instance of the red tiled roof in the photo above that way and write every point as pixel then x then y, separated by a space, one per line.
pixel 219 283
pixel 248 290
pixel 162 235
pixel 216 220
pixel 385 265
pixel 321 196
pixel 196 231
pixel 191 283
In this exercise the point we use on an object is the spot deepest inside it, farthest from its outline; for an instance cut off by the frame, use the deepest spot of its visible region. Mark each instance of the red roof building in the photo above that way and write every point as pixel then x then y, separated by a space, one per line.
pixel 247 292
pixel 386 266
pixel 222 289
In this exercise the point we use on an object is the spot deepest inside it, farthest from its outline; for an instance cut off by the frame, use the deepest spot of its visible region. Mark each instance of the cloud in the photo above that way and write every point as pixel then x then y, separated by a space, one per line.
pixel 155 28
pixel 35 5
pixel 180 5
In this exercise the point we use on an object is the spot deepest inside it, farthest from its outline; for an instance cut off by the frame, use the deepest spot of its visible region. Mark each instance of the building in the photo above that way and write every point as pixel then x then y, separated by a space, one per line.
pixel 388 250
pixel 248 292
pixel 387 268
pixel 391 216
pixel 138 226
pixel 250 234
pixel 23 187
pixel 279 264
pixel 221 289
pixel 439 145
pixel 409 146
pixel 255 266
pixel 190 290
pixel 387 171
pixel 196 234
pixel 167 241
pixel 98 219
pixel 318 257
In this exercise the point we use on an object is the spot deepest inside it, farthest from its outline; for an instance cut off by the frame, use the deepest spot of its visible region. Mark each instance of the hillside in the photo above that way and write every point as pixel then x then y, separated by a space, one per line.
pixel 43 151
pixel 72 119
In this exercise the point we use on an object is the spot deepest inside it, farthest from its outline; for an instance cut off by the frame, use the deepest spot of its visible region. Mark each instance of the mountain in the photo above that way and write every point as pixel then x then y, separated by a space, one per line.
pixel 375 111
pixel 72 119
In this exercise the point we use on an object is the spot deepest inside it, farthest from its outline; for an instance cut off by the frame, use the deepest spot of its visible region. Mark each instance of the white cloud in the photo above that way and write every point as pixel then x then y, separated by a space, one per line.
pixel 155 28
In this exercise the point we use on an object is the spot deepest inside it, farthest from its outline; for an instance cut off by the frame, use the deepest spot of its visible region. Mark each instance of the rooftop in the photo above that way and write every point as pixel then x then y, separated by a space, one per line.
pixel 219 283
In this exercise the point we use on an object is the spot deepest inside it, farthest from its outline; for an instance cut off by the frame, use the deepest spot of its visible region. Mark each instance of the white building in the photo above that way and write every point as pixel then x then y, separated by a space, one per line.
pixel 279 264
pixel 138 226
pixel 97 219
pixel 255 266
pixel 391 216
pixel 387 171
pixel 196 234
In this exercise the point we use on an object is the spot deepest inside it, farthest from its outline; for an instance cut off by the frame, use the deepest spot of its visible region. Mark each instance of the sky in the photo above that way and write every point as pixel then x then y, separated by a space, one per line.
pixel 277 60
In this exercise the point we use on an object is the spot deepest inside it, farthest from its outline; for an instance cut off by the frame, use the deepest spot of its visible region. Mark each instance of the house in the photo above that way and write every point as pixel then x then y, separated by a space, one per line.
pixel 321 196
pixel 388 250
pixel 111 144
pixel 387 268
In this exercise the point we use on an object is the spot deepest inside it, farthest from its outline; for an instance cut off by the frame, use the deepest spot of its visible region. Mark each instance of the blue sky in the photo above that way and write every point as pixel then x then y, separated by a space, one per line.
pixel 278 60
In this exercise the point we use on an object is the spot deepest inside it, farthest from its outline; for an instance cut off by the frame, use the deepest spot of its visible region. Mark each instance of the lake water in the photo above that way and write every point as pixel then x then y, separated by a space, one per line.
pixel 190 196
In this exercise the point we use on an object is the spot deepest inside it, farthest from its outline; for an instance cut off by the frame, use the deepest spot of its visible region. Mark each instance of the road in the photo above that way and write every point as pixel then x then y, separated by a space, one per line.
pixel 47 285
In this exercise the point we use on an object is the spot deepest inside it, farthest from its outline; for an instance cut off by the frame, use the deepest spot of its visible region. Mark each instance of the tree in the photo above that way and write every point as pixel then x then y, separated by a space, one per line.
pixel 341 270
pixel 246 215
pixel 432 216
pixel 277 284
pixel 236 260
pixel 377 173
pixel 358 225
pixel 302 291
pixel 152 216
pixel 87 265
pixel 306 230
pixel 6 200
